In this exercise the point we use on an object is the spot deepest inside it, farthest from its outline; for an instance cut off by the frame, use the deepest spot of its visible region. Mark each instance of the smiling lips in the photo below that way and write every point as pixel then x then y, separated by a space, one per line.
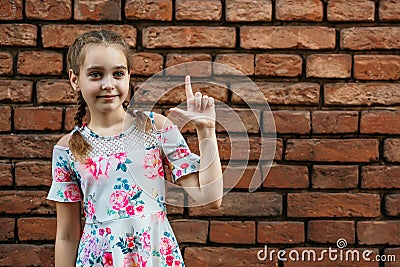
pixel 107 97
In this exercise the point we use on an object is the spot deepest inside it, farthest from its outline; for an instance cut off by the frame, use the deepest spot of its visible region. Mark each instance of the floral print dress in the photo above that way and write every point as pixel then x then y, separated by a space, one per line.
pixel 122 187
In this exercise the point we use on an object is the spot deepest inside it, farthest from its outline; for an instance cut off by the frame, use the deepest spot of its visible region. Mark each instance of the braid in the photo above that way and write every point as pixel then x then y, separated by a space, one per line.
pixel 80 114
pixel 77 144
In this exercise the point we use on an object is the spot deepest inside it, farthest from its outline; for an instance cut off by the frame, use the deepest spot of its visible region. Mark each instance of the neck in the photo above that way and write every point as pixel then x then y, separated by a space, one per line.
pixel 107 120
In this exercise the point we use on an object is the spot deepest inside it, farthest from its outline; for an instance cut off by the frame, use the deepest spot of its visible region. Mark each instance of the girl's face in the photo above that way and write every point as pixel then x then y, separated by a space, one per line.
pixel 103 79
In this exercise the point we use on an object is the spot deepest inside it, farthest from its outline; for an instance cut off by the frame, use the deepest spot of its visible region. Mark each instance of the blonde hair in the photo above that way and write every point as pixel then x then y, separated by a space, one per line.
pixel 75 58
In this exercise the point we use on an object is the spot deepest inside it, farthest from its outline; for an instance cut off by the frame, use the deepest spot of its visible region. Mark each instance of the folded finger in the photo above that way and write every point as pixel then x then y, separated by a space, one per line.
pixel 197 100
pixel 204 102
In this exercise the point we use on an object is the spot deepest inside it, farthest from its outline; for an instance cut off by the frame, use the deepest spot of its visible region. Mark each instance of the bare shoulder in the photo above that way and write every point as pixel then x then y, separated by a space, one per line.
pixel 161 122
pixel 64 140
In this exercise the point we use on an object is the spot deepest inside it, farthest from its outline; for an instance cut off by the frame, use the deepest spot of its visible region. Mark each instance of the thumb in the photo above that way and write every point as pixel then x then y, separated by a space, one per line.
pixel 178 116
pixel 177 111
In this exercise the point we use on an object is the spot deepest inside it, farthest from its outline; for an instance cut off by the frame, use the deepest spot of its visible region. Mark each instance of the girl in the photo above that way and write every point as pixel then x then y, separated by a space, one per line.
pixel 122 189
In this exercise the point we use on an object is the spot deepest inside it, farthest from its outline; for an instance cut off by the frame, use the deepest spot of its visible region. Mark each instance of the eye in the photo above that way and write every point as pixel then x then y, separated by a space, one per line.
pixel 119 74
pixel 95 74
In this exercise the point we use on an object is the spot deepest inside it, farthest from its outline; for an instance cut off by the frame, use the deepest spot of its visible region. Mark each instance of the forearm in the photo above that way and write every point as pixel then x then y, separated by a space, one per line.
pixel 210 175
pixel 66 252
pixel 68 233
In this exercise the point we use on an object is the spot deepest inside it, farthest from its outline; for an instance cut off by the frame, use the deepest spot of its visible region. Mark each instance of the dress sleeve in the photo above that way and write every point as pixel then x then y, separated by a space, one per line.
pixel 65 186
pixel 179 159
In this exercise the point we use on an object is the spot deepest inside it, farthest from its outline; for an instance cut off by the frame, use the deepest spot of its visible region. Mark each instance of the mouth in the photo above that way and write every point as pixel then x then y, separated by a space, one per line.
pixel 106 97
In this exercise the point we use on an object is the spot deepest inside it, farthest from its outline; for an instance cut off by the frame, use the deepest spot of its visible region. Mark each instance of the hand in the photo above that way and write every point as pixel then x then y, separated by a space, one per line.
pixel 200 108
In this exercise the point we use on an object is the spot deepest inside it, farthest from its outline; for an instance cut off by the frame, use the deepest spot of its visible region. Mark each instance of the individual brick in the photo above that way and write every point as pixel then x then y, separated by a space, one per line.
pixel 188 37
pixel 149 10
pixel 18 35
pixel 248 10
pixel 369 38
pixel 378 232
pixel 318 204
pixel 329 231
pixel 11 10
pixel 55 91
pixel 278 65
pixel 356 10
pixel 146 63
pixel 51 63
pixel 16 91
pixel 362 94
pixel 376 67
pixel 290 37
pixel 334 122
pixel 284 93
pixel 6 64
pixel 389 10
pixel 242 62
pixel 329 66
pixel 332 150
pixel 63 36
pixel 97 10
pixel 380 122
pixel 38 118
pixel 280 232
pixel 285 176
pixel 298 10
pixel 233 232
pixel 48 10
pixel 334 177
pixel 391 148
pixel 194 231
pixel 380 177
pixel 200 10
pixel 5 118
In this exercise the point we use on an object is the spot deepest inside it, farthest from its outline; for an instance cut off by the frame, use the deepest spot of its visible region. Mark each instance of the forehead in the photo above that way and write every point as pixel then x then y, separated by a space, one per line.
pixel 104 56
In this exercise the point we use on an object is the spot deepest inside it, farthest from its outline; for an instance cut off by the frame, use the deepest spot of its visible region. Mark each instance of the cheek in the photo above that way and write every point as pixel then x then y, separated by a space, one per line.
pixel 89 92
pixel 124 85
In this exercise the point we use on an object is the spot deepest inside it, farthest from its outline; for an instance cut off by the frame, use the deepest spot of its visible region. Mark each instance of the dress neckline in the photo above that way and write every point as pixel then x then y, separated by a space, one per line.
pixel 120 135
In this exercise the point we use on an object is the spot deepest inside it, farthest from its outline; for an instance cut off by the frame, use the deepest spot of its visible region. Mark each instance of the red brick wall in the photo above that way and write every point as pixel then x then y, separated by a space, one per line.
pixel 329 70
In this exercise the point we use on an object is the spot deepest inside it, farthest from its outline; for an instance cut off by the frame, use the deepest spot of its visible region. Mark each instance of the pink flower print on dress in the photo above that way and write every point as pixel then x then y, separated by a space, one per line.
pixel 107 259
pixel 120 156
pixel 130 210
pixel 153 164
pixel 145 240
pixel 97 170
pixel 176 263
pixel 90 209
pixel 91 166
pixel 181 152
pixel 119 199
pixel 61 175
pixel 169 260
pixel 166 246
pixel 72 192
pixel 134 260
pixel 140 208
pixel 184 165
pixel 130 241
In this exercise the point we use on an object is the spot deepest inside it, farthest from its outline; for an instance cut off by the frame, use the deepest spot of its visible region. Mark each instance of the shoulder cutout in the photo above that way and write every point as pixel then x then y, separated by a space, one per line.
pixel 161 122
pixel 64 140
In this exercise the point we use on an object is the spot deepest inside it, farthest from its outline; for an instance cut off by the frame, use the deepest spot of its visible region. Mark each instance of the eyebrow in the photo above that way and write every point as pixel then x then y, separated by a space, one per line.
pixel 100 67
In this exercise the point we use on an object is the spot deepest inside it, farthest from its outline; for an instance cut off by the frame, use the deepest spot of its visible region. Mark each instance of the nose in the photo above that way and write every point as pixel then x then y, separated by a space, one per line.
pixel 107 83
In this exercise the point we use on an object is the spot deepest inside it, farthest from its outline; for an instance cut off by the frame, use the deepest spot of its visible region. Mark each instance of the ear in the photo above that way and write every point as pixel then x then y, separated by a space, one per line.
pixel 73 79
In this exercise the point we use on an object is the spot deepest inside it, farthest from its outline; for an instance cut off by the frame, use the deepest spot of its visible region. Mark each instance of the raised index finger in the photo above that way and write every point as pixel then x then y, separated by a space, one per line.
pixel 188 87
